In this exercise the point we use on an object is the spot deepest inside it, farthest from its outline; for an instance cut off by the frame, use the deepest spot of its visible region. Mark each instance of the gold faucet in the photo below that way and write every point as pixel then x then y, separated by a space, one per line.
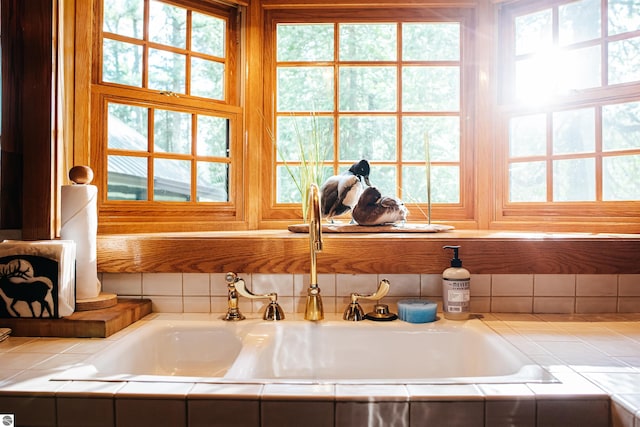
pixel 313 310
pixel 236 287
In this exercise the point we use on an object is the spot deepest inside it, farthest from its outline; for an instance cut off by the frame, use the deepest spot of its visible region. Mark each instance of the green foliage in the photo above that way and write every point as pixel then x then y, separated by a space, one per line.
pixel 309 149
pixel 347 70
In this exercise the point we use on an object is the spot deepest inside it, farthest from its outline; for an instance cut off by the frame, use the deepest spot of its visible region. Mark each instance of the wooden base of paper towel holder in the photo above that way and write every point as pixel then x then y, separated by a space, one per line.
pixel 104 300
pixel 82 324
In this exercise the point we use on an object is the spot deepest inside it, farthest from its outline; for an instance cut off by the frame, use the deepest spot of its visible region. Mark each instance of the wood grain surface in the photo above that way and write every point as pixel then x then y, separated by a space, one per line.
pixel 281 251
pixel 84 324
pixel 386 228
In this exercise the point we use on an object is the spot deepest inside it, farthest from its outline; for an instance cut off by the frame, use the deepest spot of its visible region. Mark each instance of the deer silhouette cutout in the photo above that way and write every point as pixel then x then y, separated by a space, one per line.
pixel 17 283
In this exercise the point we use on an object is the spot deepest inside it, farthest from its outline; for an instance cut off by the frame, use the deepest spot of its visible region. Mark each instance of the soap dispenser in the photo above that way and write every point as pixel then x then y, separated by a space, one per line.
pixel 455 289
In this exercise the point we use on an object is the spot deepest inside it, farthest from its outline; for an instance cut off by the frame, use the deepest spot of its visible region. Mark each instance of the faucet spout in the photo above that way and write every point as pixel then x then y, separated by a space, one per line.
pixel 313 309
pixel 233 312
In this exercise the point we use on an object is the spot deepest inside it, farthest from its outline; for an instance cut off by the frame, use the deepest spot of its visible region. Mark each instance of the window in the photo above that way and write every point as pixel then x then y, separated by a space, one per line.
pixel 170 120
pixel 379 85
pixel 532 123
pixel 571 110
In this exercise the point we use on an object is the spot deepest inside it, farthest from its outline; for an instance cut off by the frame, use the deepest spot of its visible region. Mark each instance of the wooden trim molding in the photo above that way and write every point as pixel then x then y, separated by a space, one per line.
pixel 280 251
pixel 369 4
pixel 28 172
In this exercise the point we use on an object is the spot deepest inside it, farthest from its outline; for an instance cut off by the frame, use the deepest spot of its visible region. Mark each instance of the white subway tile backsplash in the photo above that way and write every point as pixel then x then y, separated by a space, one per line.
pixel 431 285
pixel 167 304
pixel 507 293
pixel 218 284
pixel 554 285
pixel 122 283
pixel 219 305
pixel 629 305
pixel 512 304
pixel 200 304
pixel 629 285
pixel 553 304
pixel 162 284
pixel 479 304
pixel 282 284
pixel 596 304
pixel 301 284
pixel 360 283
pixel 480 285
pixel 300 303
pixel 329 304
pixel 403 285
pixel 196 284
pixel 512 285
pixel 594 285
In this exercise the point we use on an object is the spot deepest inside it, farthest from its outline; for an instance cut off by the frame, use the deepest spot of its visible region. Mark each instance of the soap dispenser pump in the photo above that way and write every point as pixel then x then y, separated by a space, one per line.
pixel 455 288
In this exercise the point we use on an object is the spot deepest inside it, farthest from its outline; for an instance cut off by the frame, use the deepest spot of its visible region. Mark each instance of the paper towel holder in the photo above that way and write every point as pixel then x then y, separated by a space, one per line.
pixel 83 175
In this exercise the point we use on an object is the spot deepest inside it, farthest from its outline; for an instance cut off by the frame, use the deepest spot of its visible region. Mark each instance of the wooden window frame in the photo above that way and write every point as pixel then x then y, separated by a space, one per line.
pixel 591 216
pixel 462 213
pixel 157 216
pixel 486 136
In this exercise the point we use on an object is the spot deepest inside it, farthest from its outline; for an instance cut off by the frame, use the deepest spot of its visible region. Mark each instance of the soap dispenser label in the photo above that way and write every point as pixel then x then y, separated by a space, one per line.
pixel 457 296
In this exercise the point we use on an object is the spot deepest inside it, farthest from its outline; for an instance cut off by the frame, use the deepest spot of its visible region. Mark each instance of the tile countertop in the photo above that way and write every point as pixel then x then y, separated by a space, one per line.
pixel 592 356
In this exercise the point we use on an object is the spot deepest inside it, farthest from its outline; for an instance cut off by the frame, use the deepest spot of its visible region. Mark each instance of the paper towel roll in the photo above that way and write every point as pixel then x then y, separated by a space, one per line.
pixel 80 224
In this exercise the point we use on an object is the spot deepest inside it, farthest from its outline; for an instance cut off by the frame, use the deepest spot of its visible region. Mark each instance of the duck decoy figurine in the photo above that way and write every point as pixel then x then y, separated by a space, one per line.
pixel 375 209
pixel 340 193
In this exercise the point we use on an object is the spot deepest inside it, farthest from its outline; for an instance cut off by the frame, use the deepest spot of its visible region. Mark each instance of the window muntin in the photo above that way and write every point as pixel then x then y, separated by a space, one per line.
pixel 175 49
pixel 560 49
pixel 379 88
pixel 568 144
pixel 622 16
pixel 175 153
pixel 169 114
pixel 568 124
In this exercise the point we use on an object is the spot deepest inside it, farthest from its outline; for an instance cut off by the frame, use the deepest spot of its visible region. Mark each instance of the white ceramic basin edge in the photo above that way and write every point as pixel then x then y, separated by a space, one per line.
pixel 297 351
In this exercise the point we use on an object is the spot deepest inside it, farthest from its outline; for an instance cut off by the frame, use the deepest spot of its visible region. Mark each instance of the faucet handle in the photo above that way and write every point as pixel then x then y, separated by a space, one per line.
pixel 241 287
pixel 354 312
pixel 383 289
pixel 273 310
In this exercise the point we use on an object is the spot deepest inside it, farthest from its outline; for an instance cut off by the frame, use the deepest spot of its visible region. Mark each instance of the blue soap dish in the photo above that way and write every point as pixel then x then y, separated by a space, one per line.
pixel 417 310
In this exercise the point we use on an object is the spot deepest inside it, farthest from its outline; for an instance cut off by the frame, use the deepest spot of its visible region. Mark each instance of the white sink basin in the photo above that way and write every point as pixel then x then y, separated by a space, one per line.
pixel 160 348
pixel 302 351
pixel 443 351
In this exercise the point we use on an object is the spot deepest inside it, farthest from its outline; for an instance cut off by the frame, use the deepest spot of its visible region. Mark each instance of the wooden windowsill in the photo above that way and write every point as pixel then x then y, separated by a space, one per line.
pixel 281 251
